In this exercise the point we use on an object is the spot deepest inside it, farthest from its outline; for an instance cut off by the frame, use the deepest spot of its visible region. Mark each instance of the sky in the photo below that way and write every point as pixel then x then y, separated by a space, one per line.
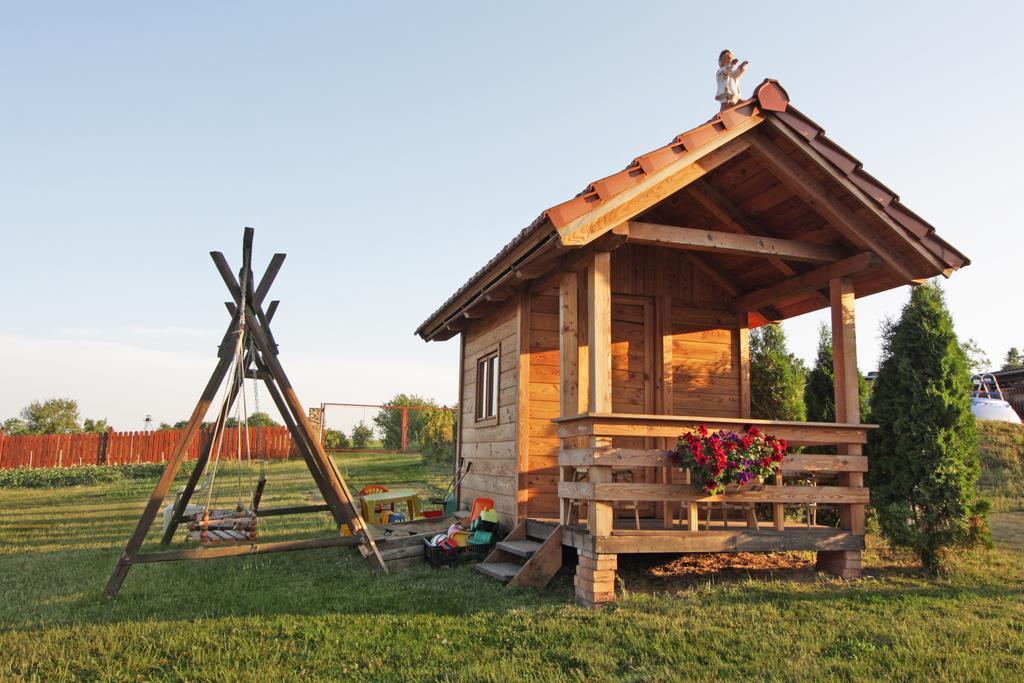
pixel 392 148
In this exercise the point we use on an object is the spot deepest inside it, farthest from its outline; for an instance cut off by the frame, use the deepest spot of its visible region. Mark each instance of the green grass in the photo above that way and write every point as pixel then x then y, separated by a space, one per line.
pixel 320 615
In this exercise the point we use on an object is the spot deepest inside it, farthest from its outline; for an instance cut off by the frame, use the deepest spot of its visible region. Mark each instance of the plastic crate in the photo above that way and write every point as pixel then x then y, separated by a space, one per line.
pixel 438 557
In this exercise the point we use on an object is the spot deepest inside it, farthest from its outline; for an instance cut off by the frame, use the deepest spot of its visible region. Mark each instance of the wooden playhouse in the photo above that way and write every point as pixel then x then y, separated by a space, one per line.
pixel 619 319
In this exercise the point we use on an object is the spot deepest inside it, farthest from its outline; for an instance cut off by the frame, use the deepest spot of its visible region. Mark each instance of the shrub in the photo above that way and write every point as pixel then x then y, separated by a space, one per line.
pixel 335 438
pixel 56 477
pixel 924 455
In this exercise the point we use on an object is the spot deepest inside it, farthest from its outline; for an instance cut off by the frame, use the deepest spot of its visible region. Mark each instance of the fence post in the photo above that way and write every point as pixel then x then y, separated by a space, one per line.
pixel 102 447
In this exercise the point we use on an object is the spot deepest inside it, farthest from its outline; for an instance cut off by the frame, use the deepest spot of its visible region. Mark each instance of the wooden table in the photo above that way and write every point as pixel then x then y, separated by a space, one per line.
pixel 411 498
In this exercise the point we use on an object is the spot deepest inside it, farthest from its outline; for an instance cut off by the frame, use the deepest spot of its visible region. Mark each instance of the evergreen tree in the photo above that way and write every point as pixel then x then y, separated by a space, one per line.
pixel 924 455
pixel 361 435
pixel 819 391
pixel 776 377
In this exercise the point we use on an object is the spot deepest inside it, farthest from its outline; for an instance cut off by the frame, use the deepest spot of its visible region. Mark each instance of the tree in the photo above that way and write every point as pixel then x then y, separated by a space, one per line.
pixel 776 376
pixel 437 435
pixel 14 426
pixel 389 420
pixel 95 426
pixel 361 435
pixel 335 438
pixel 977 359
pixel 53 416
pixel 181 424
pixel 1014 359
pixel 261 420
pixel 924 455
pixel 819 390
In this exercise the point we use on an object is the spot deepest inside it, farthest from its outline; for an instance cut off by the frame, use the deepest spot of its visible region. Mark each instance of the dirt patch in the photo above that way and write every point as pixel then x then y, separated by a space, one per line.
pixel 678 572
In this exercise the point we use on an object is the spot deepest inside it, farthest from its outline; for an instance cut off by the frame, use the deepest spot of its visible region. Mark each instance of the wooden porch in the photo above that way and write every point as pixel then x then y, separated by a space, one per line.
pixel 618 489
pixel 688 519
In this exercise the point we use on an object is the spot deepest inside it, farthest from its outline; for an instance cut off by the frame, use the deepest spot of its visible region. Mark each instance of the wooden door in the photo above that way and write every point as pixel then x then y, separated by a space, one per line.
pixel 633 372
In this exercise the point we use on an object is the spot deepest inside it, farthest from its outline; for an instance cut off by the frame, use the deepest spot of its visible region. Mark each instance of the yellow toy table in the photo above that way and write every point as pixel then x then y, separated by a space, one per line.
pixel 411 498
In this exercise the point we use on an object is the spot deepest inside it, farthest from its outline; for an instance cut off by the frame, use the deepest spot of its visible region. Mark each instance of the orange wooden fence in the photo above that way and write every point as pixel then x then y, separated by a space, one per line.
pixel 119 448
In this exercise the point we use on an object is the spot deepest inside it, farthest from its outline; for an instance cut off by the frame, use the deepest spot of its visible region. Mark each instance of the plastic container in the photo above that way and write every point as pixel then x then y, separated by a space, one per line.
pixel 460 538
pixel 439 556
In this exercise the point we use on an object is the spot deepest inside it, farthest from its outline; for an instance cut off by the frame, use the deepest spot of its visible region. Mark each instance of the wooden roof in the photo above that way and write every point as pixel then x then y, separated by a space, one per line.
pixel 761 169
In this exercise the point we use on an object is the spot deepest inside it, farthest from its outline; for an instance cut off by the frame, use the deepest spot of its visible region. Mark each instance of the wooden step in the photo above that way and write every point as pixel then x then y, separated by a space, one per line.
pixel 523 548
pixel 502 571
pixel 538 530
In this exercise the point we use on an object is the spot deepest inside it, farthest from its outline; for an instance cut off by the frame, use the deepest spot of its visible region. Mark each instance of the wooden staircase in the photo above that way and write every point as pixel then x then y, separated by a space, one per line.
pixel 528 557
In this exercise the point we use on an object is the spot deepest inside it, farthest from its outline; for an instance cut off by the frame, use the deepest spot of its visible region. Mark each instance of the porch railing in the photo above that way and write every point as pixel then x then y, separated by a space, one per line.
pixel 587 445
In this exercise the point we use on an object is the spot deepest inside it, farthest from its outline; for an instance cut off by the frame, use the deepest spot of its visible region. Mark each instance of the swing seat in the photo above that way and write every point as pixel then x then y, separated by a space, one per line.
pixel 223 526
pixel 221 536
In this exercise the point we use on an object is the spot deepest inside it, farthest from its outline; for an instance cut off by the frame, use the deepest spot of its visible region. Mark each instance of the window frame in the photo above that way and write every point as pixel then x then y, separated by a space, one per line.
pixel 488 387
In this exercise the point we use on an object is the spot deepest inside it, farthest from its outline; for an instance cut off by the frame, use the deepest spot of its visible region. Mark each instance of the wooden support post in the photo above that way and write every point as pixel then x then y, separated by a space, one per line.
pixel 131 550
pixel 568 367
pixel 339 493
pixel 524 314
pixel 847 393
pixel 663 387
pixel 599 337
pixel 568 344
pixel 595 578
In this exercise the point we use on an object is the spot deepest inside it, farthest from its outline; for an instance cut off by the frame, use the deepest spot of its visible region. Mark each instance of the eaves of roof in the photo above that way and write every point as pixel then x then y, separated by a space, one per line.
pixel 769 99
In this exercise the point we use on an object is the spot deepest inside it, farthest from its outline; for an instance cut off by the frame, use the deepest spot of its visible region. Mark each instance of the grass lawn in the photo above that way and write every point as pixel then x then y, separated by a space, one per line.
pixel 320 615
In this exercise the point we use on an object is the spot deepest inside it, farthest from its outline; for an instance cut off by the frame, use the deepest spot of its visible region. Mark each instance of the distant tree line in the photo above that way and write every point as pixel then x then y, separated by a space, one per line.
pixel 52 416
pixel 61 416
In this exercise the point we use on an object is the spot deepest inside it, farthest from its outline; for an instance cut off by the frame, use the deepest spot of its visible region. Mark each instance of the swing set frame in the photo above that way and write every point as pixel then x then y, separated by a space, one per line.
pixel 260 362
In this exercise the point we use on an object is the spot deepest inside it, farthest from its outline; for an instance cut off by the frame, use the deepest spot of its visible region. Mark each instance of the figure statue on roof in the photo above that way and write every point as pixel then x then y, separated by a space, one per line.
pixel 728 77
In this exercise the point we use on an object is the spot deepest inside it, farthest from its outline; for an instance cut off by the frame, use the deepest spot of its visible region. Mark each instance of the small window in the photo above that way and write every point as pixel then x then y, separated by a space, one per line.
pixel 487 373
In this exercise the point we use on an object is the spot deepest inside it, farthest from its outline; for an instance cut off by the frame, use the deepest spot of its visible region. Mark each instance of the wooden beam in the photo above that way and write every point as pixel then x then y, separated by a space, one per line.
pixel 847 387
pixel 635 200
pixel 696 239
pixel 801 143
pixel 524 314
pixel 568 343
pixel 599 332
pixel 609 491
pixel 722 208
pixel 734 218
pixel 716 541
pixel 804 283
pixel 276 261
pixel 217 551
pixel 831 209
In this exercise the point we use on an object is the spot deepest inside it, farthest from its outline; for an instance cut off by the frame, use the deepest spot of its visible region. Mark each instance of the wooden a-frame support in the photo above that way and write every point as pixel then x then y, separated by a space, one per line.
pixel 260 362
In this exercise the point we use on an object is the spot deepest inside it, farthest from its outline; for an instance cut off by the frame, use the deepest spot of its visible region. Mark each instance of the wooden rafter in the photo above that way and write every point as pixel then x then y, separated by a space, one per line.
pixel 832 210
pixel 864 198
pixel 696 239
pixel 807 282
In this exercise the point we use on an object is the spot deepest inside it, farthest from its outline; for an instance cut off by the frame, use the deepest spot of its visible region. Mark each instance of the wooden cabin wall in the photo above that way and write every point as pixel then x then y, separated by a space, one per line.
pixel 697 345
pixel 491 445
pixel 542 405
